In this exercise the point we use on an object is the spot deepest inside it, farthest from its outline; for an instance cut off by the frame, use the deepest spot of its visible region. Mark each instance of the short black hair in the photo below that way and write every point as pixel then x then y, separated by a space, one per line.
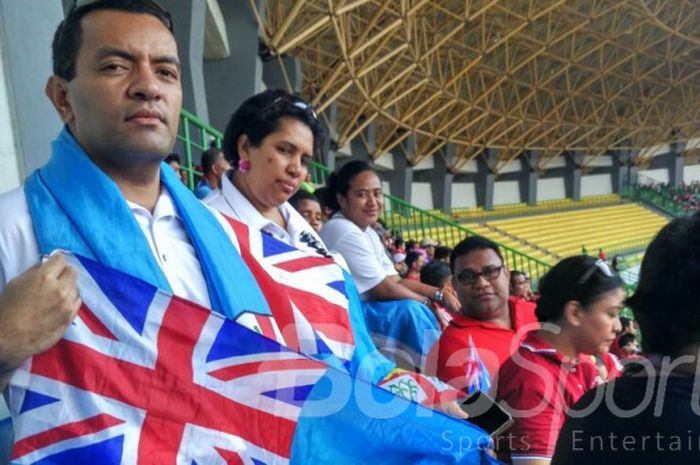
pixel 562 284
pixel 435 274
pixel 340 180
pixel 471 244
pixel 173 157
pixel 209 158
pixel 411 258
pixel 625 322
pixel 626 339
pixel 68 36
pixel 441 252
pixel 300 195
pixel 666 303
pixel 261 115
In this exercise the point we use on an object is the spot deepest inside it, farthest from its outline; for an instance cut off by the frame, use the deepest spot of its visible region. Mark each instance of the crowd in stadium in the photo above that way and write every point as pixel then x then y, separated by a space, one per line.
pixel 408 306
pixel 685 197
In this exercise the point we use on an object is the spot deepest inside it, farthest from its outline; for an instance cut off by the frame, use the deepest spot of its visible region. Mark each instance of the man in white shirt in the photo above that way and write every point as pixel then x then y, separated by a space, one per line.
pixel 116 86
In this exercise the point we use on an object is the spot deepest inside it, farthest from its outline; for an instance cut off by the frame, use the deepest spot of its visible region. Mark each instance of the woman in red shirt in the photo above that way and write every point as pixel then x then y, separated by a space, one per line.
pixel 579 305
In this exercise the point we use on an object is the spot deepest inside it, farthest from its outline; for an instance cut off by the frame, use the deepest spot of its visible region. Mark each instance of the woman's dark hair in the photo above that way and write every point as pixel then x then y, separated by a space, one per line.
pixel 340 180
pixel 435 273
pixel 68 36
pixel 666 303
pixel 261 115
pixel 578 278
pixel 411 258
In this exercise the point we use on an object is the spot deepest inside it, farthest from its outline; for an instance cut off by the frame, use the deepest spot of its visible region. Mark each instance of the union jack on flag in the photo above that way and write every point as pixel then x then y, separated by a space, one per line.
pixel 144 377
pixel 305 292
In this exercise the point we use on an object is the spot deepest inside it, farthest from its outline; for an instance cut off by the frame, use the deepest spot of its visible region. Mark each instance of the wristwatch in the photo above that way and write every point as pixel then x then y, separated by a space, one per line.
pixel 438 296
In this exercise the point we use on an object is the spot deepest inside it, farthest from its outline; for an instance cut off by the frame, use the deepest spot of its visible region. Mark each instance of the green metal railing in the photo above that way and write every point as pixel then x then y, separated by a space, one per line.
pixel 205 135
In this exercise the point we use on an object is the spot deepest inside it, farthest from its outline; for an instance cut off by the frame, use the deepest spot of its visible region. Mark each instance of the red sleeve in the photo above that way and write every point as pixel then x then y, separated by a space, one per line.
pixel 538 413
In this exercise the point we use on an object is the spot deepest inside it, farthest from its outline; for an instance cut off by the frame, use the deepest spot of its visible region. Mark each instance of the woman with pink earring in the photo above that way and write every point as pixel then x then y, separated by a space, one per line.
pixel 270 139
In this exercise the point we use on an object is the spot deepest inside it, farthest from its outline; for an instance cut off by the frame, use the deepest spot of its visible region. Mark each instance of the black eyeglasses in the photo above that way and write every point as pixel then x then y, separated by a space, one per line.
pixel 469 277
pixel 291 100
pixel 599 264
pixel 161 12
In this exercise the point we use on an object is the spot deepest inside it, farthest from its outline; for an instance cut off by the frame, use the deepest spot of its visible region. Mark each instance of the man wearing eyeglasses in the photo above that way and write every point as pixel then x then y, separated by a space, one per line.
pixel 487 317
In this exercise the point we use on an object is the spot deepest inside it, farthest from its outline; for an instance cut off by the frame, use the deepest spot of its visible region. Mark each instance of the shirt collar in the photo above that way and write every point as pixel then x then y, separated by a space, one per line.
pixel 248 214
pixel 537 345
pixel 164 207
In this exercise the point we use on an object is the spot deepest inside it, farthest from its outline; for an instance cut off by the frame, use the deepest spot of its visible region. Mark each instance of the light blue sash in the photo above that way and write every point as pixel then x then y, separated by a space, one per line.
pixel 75 206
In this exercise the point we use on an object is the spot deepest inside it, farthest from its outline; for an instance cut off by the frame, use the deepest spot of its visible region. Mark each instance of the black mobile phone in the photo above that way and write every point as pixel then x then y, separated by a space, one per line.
pixel 485 413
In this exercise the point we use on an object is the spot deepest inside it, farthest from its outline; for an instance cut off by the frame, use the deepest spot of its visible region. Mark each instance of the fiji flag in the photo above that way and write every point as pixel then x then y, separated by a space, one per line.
pixel 144 377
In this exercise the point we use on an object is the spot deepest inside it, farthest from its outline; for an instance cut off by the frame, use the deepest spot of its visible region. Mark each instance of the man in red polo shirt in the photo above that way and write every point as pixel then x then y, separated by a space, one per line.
pixel 487 317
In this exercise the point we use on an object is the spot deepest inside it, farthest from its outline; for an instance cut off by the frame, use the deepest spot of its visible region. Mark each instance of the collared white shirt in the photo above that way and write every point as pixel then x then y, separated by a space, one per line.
pixel 361 249
pixel 299 233
pixel 163 230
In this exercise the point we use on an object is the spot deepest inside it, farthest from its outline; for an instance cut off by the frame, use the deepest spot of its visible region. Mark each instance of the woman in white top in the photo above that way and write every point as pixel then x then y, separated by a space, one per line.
pixel 270 141
pixel 393 310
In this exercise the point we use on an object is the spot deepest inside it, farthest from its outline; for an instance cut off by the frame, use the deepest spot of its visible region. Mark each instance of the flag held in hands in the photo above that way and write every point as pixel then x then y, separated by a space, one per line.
pixel 144 377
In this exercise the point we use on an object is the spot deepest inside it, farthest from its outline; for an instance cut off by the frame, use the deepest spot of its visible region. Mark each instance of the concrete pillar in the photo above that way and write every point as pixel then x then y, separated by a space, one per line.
pixel 331 124
pixel 364 149
pixel 529 177
pixel 441 179
pixel 189 20
pixel 274 76
pixel 27 29
pixel 620 174
pixel 231 80
pixel 401 178
pixel 487 178
pixel 675 163
pixel 572 180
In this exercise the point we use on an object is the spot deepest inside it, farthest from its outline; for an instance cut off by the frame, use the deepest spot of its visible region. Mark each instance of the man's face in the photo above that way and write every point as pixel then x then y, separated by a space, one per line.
pixel 123 104
pixel 482 299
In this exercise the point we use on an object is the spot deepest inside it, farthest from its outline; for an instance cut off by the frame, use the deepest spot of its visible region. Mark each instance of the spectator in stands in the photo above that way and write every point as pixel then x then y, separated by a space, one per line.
pixel 428 245
pixel 213 167
pixel 579 305
pixel 602 255
pixel 438 274
pixel 355 194
pixel 392 305
pixel 442 253
pixel 116 87
pixel 399 245
pixel 309 208
pixel 629 326
pixel 520 286
pixel 414 263
pixel 654 411
pixel 270 140
pixel 174 161
pixel 628 345
pixel 399 260
pixel 487 317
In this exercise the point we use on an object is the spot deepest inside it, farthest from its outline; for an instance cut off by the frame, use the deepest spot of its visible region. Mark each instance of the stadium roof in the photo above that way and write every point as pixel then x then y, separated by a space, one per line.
pixel 545 75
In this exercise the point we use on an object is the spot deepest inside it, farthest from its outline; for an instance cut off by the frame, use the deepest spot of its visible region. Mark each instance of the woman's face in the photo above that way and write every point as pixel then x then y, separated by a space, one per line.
pixel 521 286
pixel 279 165
pixel 364 200
pixel 600 323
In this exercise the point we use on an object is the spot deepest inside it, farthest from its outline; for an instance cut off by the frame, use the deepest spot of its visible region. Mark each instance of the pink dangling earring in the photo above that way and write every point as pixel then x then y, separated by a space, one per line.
pixel 243 166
